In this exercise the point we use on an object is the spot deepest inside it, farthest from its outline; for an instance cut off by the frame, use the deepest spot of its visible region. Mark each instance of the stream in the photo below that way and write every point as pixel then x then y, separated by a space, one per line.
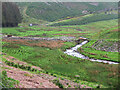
pixel 73 52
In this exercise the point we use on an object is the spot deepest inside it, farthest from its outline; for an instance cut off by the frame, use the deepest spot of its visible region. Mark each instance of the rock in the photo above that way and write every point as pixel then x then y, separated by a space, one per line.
pixel 77 76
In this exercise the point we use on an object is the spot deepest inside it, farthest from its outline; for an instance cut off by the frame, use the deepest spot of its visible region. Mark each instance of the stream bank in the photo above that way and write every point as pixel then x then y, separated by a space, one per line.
pixel 73 52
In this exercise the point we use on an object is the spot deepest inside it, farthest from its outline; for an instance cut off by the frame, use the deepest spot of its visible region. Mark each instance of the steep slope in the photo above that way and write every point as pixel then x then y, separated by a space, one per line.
pixel 51 11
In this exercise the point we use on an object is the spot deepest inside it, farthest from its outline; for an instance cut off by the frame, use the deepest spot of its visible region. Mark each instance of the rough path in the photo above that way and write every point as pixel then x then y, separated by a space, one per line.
pixel 24 11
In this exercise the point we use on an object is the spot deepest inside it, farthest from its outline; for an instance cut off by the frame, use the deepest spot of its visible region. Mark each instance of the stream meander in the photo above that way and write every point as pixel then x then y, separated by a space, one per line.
pixel 73 52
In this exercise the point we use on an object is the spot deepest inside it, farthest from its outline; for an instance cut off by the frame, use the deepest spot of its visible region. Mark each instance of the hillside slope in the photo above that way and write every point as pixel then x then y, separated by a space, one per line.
pixel 51 11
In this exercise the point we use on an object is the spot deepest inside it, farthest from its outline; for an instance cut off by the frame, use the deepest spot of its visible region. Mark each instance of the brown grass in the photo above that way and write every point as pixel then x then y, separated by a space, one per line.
pixel 114 30
pixel 94 72
pixel 39 43
pixel 105 56
pixel 33 36
pixel 93 54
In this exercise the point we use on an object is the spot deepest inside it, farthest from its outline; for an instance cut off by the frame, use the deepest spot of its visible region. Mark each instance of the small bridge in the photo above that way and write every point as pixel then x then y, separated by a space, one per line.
pixel 9 35
pixel 81 39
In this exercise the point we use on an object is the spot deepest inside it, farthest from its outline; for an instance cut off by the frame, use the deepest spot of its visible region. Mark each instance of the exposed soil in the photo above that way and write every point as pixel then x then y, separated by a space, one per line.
pixel 40 43
pixel 28 80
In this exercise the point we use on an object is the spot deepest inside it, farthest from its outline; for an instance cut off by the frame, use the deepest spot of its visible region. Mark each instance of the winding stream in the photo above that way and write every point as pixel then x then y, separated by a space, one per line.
pixel 73 52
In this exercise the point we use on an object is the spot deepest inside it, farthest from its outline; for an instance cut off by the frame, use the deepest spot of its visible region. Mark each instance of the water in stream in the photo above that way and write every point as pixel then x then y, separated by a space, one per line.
pixel 73 52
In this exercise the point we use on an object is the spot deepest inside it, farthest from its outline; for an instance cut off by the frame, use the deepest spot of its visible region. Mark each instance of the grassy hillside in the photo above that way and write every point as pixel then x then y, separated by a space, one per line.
pixel 39 31
pixel 103 38
pixel 51 11
pixel 56 62
pixel 53 60
pixel 49 55
pixel 86 19
pixel 97 30
pixel 104 43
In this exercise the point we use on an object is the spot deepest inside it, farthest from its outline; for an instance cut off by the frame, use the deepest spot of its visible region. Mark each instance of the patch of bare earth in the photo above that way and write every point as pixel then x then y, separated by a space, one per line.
pixel 28 80
pixel 40 43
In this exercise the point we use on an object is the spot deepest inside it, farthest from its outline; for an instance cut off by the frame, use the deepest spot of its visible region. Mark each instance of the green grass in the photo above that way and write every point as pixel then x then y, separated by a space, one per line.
pixel 86 19
pixel 96 30
pixel 35 71
pixel 39 31
pixel 58 63
pixel 55 61
pixel 55 11
pixel 87 50
pixel 7 82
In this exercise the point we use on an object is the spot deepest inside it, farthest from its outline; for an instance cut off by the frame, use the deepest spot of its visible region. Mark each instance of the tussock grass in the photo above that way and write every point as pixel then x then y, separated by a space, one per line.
pixel 55 61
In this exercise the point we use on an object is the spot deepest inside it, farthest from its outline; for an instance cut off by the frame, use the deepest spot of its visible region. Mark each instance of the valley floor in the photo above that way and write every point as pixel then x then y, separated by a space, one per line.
pixel 47 61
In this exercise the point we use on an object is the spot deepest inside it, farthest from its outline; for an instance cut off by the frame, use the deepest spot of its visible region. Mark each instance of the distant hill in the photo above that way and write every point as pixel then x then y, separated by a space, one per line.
pixel 86 19
pixel 51 11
